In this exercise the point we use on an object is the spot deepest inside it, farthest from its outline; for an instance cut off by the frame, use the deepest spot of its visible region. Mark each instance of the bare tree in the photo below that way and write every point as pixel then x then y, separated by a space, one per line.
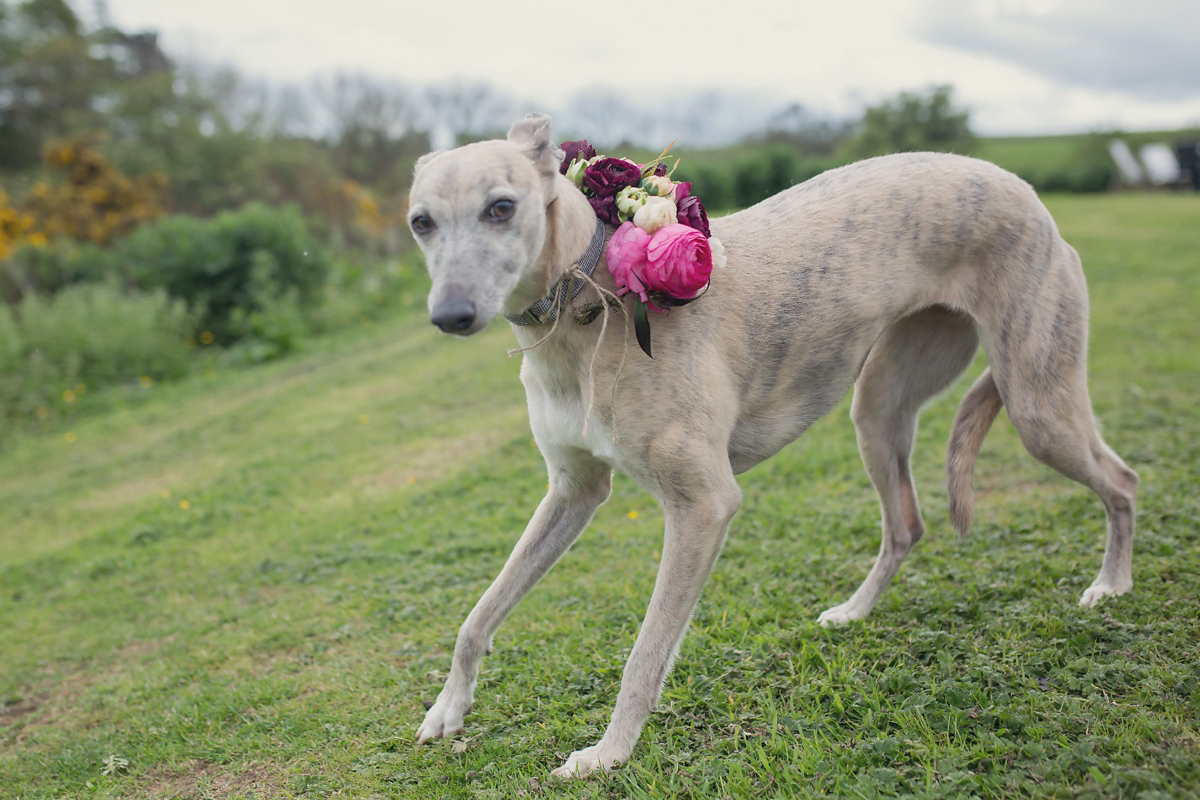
pixel 371 124
pixel 606 116
pixel 461 109
pixel 810 132
pixel 356 103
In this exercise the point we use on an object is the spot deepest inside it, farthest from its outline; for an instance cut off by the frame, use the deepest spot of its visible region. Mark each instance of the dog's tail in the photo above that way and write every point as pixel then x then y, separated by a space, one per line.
pixel 979 408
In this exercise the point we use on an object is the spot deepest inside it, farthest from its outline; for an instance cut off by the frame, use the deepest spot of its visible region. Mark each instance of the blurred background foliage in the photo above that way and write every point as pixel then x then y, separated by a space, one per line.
pixel 156 212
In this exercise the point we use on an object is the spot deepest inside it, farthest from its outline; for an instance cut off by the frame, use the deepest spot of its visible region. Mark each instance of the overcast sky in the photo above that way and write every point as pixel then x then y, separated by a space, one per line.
pixel 1022 66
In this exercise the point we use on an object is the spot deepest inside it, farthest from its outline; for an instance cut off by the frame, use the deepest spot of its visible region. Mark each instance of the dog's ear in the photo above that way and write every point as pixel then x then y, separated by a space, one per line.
pixel 532 135
pixel 425 159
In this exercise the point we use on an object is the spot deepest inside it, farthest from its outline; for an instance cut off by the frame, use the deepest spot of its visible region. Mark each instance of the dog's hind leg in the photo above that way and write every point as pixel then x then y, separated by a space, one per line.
pixel 578 485
pixel 700 497
pixel 1041 374
pixel 914 359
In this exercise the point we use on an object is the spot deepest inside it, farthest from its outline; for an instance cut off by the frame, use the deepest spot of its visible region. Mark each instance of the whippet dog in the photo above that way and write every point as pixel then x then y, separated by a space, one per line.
pixel 884 275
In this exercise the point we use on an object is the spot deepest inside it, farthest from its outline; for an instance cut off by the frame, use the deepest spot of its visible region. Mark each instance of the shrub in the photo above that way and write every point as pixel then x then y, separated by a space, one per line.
pixel 363 289
pixel 84 337
pixel 228 267
pixel 711 183
pixel 1089 169
pixel 750 174
pixel 51 267
pixel 11 349
pixel 914 121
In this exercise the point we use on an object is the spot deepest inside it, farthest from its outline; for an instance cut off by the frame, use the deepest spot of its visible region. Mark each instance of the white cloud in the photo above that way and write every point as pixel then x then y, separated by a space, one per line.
pixel 1146 49
pixel 833 57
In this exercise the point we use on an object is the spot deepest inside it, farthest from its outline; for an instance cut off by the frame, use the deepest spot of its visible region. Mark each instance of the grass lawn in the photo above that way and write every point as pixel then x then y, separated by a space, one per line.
pixel 246 583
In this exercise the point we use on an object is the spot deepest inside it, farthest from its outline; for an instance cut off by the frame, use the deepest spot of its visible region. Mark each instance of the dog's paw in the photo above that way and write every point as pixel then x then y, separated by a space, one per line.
pixel 589 759
pixel 841 615
pixel 1102 589
pixel 442 720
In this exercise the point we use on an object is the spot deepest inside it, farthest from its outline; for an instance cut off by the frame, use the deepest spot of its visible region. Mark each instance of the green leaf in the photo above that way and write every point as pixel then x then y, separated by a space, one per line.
pixel 641 326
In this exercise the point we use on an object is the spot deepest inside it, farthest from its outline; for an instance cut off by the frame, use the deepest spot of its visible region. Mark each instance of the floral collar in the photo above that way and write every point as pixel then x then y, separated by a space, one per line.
pixel 546 310
pixel 662 250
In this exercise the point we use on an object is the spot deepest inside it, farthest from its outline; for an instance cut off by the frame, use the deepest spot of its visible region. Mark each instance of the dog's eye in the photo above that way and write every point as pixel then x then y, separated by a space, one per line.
pixel 421 224
pixel 501 209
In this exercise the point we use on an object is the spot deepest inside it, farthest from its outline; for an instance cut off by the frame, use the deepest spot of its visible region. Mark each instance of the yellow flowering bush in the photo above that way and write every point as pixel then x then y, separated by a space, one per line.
pixel 15 227
pixel 97 202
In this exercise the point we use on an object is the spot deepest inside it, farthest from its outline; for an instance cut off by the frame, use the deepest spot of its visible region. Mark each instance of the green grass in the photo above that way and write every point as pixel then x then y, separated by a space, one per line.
pixel 345 508
pixel 1025 154
pixel 1039 154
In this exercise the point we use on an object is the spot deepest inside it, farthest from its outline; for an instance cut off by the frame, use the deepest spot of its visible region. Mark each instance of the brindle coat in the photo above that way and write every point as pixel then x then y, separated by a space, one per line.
pixel 884 275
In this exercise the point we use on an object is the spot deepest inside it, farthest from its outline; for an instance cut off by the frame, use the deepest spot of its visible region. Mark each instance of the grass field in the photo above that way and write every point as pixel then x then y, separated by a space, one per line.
pixel 245 584
pixel 1042 153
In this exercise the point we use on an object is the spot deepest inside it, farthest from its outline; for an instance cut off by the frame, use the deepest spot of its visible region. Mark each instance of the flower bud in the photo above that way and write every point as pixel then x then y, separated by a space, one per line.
pixel 575 171
pixel 718 252
pixel 629 200
pixel 659 185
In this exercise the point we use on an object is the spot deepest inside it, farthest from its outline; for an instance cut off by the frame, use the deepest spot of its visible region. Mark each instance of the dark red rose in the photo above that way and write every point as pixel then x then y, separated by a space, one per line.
pixel 610 175
pixel 574 150
pixel 605 208
pixel 660 170
pixel 691 213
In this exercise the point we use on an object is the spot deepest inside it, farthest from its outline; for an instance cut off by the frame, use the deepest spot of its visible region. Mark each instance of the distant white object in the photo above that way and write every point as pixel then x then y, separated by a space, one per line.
pixel 1127 164
pixel 1162 167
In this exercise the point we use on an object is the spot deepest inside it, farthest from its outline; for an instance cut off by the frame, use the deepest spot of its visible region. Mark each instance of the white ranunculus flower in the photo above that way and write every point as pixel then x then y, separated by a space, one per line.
pixel 718 252
pixel 658 212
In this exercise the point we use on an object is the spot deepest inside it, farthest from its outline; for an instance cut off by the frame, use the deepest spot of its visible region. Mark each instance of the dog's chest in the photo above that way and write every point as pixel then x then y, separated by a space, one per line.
pixel 559 416
pixel 565 422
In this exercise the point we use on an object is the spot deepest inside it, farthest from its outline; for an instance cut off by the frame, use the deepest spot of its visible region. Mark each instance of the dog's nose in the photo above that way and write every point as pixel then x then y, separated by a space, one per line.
pixel 453 316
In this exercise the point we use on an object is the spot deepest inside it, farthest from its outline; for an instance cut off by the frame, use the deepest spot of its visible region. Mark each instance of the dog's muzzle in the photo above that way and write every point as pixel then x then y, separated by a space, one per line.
pixel 454 316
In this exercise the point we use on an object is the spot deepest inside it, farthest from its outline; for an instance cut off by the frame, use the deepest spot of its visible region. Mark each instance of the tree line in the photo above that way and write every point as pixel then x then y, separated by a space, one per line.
pixel 222 138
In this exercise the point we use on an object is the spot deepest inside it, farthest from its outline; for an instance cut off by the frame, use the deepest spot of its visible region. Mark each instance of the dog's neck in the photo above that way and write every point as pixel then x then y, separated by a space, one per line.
pixel 570 225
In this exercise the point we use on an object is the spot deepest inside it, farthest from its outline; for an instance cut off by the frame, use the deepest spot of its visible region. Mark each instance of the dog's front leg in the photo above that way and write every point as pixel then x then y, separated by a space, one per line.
pixel 695 530
pixel 575 492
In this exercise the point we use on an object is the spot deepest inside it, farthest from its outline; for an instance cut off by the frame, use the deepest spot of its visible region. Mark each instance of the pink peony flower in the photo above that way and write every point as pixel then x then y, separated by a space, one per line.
pixel 679 262
pixel 626 257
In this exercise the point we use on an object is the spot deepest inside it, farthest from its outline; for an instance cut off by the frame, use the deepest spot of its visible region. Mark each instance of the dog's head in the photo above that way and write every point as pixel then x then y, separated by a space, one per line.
pixel 479 214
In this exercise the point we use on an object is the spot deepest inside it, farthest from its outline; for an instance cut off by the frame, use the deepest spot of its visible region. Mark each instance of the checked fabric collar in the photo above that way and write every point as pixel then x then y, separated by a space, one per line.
pixel 546 310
